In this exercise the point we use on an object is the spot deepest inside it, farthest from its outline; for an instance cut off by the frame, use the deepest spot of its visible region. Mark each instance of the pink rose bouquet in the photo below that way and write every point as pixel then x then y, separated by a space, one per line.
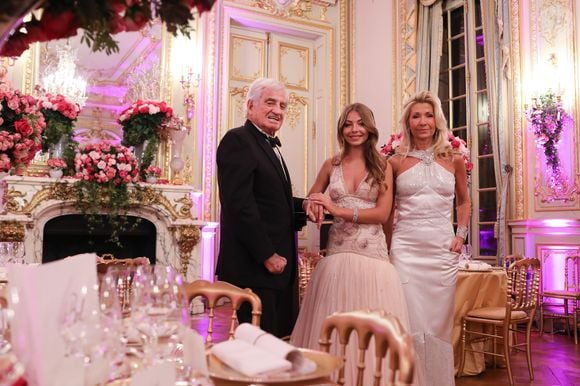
pixel 60 115
pixel 104 163
pixel 104 172
pixel 153 171
pixel 56 163
pixel 21 126
pixel 145 122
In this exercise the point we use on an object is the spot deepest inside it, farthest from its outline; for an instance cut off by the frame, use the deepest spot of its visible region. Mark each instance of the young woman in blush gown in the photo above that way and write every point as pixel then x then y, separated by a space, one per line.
pixel 424 248
pixel 356 273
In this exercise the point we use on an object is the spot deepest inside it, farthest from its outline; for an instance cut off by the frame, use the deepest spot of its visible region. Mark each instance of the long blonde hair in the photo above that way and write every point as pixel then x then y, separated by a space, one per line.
pixel 374 162
pixel 441 146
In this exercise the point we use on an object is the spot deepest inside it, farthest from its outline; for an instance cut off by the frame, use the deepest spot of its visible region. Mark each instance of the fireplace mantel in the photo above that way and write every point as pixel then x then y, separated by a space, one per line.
pixel 28 203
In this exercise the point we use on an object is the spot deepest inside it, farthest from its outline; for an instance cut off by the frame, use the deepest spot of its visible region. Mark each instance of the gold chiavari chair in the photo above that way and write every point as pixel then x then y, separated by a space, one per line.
pixel 212 292
pixel 389 336
pixel 570 296
pixel 521 304
pixel 510 259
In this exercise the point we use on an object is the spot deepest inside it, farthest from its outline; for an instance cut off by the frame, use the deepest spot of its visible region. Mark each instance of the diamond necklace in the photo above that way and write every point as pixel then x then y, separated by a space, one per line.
pixel 426 156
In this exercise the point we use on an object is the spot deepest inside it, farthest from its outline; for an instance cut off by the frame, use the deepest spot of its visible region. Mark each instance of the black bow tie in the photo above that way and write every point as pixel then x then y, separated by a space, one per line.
pixel 274 141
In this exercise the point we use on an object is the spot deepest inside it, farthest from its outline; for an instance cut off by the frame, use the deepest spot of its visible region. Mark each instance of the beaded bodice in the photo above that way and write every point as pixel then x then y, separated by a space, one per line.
pixel 346 236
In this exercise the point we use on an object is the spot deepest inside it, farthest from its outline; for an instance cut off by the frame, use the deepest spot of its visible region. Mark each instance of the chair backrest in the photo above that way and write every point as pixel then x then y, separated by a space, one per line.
pixel 212 292
pixel 524 277
pixel 572 273
pixel 510 259
pixel 389 336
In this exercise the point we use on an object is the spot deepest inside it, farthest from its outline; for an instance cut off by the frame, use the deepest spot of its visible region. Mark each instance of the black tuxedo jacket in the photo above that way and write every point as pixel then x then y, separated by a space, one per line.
pixel 257 211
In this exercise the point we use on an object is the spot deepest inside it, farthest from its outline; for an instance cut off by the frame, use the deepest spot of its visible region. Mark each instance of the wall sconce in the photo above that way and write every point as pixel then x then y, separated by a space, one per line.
pixel 189 83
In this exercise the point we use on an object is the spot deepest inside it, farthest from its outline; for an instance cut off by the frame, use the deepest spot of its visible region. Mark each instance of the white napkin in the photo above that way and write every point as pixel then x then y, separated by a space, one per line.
pixel 474 265
pixel 36 328
pixel 258 337
pixel 254 352
pixel 194 351
pixel 249 360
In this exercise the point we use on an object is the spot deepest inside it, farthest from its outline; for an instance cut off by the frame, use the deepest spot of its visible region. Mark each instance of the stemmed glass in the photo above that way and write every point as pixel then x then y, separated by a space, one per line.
pixel 158 311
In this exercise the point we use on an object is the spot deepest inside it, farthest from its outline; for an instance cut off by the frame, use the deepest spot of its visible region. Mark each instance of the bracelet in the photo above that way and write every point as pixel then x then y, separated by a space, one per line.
pixel 355 215
pixel 461 232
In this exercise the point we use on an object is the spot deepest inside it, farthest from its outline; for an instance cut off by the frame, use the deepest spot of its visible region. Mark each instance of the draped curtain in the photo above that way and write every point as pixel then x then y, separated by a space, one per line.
pixel 429 41
pixel 495 19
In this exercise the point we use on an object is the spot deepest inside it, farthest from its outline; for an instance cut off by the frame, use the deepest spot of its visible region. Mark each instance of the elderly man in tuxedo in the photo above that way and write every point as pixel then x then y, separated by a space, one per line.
pixel 258 222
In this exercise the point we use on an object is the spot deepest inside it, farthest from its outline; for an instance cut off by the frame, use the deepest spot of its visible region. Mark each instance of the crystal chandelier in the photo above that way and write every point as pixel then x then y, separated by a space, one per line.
pixel 63 80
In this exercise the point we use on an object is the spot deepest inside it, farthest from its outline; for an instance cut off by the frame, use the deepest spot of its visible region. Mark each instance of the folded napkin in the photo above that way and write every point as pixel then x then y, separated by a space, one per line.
pixel 38 311
pixel 249 360
pixel 254 351
pixel 474 266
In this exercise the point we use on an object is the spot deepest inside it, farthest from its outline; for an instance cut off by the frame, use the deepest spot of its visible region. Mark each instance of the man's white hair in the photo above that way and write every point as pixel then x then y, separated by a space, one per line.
pixel 259 85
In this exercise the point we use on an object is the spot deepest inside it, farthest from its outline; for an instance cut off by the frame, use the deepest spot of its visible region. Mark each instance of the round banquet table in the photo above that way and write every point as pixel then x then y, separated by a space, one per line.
pixel 475 289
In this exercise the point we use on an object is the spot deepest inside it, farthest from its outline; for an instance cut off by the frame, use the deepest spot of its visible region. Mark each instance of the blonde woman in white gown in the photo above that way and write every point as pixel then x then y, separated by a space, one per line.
pixel 356 273
pixel 424 248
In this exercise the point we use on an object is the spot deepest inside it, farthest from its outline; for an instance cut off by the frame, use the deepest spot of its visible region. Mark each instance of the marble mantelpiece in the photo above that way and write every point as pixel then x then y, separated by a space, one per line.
pixel 28 203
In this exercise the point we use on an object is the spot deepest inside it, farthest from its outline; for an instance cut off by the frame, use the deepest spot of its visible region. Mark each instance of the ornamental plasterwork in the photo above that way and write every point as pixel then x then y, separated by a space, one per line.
pixel 294 65
pixel 246 47
pixel 286 8
pixel 295 103
pixel 517 112
pixel 555 19
pixel 237 105
pixel 405 74
pixel 177 205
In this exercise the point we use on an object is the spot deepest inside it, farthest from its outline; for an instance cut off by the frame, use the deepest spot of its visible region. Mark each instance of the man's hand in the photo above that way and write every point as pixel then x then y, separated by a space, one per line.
pixel 315 212
pixel 275 264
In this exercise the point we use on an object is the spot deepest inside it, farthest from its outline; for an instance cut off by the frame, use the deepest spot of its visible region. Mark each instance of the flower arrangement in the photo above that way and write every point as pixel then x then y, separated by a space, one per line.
pixel 99 19
pixel 144 121
pixel 21 126
pixel 60 115
pixel 457 144
pixel 104 170
pixel 153 171
pixel 56 163
pixel 547 119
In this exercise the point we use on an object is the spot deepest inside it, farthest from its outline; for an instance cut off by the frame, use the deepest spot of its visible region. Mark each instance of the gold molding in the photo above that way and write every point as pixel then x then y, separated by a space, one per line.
pixel 304 54
pixel 298 8
pixel 144 196
pixel 12 231
pixel 519 145
pixel 187 237
pixel 293 112
pixel 259 44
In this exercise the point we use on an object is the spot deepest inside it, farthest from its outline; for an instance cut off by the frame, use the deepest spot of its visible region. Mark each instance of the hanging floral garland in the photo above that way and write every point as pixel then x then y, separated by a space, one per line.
pixel 547 121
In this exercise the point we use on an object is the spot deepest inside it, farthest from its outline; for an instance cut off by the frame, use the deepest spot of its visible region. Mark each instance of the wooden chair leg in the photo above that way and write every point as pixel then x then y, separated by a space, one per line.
pixel 529 349
pixel 576 325
pixel 506 349
pixel 567 316
pixel 541 319
pixel 462 355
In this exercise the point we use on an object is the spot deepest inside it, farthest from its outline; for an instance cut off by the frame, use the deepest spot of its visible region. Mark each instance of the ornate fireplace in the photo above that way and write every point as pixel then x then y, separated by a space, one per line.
pixel 29 203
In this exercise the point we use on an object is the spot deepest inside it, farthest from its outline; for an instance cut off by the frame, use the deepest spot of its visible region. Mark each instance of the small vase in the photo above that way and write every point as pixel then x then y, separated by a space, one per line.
pixel 57 150
pixel 151 179
pixel 55 173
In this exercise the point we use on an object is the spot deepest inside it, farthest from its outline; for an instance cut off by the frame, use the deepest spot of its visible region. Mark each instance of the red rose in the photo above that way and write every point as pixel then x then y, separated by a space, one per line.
pixel 23 127
pixel 59 25
pixel 455 143
pixel 16 45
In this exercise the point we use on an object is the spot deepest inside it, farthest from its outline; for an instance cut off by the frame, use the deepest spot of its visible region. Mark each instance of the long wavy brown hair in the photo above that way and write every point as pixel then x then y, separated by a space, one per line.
pixel 374 162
